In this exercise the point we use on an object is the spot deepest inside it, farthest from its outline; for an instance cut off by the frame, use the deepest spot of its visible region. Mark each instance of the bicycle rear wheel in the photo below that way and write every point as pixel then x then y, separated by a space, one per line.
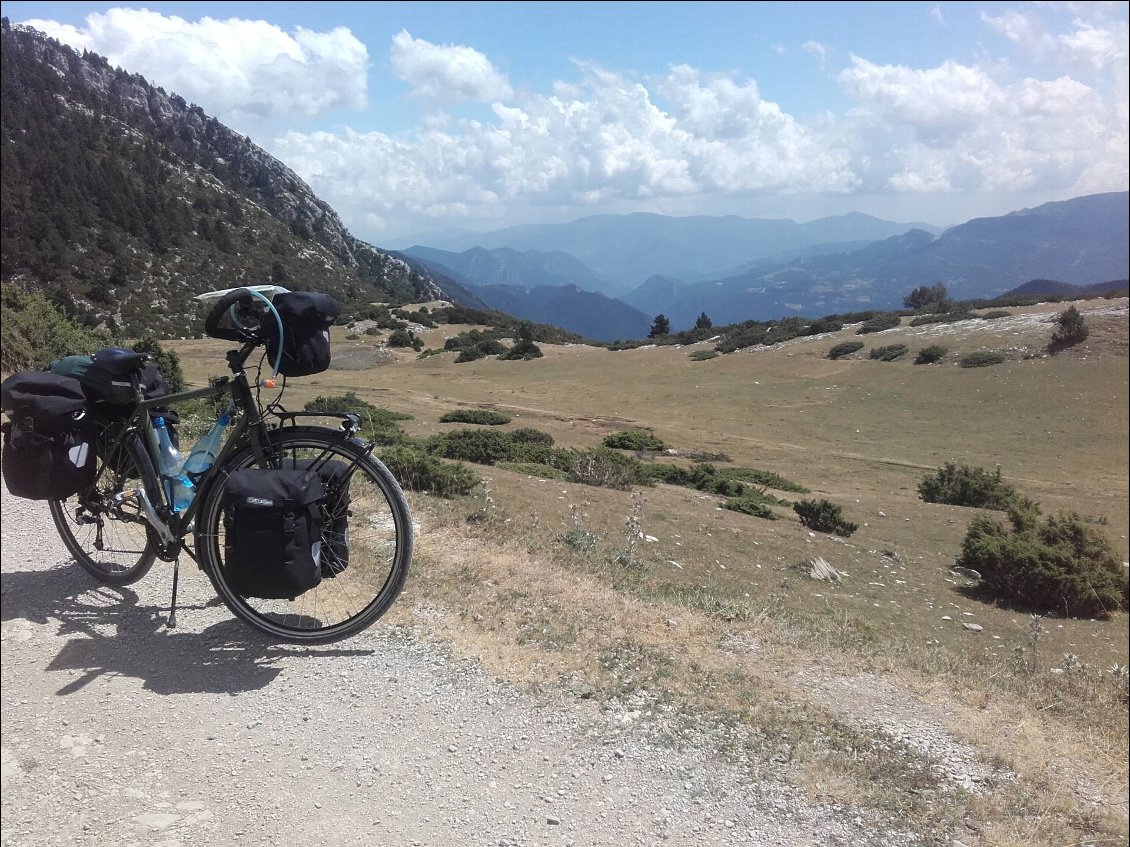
pixel 110 540
pixel 371 523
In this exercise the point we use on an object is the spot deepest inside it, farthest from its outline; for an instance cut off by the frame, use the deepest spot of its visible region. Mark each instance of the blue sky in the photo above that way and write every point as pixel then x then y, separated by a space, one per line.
pixel 415 117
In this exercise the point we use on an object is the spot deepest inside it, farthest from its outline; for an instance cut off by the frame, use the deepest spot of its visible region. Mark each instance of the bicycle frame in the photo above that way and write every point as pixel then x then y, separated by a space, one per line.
pixel 247 428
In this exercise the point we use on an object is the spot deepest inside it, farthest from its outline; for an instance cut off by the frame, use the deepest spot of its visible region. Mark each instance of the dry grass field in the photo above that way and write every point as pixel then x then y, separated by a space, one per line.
pixel 871 691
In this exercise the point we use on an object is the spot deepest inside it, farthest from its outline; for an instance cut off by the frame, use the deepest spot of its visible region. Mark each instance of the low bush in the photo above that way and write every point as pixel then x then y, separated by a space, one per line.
pixel 634 439
pixel 1070 330
pixel 824 516
pixel 703 355
pixel 885 320
pixel 415 470
pixel 481 446
pixel 888 353
pixel 1056 565
pixel 750 506
pixel 845 348
pixel 606 468
pixel 981 360
pixel 962 485
pixel 378 425
pixel 942 318
pixel 765 478
pixel 993 314
pixel 930 355
pixel 485 417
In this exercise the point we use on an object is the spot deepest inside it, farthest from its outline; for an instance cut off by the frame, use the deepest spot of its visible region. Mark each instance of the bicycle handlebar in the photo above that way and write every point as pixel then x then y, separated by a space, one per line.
pixel 212 322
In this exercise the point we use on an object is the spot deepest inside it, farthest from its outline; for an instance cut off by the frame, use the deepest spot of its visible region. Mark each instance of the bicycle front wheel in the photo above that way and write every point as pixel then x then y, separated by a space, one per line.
pixel 366 542
pixel 110 539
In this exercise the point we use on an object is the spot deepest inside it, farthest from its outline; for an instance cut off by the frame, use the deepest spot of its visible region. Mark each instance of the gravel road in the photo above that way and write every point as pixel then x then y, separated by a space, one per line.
pixel 119 731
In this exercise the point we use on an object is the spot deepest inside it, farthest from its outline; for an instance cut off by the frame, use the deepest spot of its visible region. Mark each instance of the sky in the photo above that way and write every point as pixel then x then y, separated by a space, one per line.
pixel 411 119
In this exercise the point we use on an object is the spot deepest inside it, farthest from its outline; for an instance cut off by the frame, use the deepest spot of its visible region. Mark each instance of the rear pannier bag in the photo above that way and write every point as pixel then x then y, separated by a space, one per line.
pixel 273 527
pixel 48 451
pixel 335 513
pixel 306 320
pixel 105 384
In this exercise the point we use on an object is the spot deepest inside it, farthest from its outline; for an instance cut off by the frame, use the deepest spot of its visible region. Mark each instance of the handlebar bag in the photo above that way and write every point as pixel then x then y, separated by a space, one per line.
pixel 48 451
pixel 335 513
pixel 306 320
pixel 273 527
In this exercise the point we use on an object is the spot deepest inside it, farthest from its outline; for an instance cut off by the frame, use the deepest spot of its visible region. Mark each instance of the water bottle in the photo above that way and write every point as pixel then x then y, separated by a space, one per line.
pixel 207 448
pixel 169 464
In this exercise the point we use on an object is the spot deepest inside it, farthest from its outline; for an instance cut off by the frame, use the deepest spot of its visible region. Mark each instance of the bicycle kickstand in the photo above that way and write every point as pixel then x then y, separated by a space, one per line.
pixel 172 622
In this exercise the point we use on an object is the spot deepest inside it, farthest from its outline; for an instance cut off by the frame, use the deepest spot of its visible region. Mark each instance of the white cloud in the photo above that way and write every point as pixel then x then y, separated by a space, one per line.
pixel 956 127
pixel 822 52
pixel 242 71
pixel 603 139
pixel 446 74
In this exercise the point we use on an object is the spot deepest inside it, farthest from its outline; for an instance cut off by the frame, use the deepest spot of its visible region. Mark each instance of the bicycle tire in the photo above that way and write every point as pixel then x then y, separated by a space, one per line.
pixel 379 542
pixel 109 540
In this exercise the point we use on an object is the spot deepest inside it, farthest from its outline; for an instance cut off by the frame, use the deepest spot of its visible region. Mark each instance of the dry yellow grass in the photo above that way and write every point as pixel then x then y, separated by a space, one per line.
pixel 717 620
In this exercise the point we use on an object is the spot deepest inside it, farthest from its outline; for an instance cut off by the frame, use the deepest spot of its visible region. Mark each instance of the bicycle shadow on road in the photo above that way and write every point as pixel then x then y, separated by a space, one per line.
pixel 107 631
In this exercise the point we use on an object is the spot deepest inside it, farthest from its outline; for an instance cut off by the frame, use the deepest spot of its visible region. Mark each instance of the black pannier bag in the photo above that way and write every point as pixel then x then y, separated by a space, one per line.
pixel 48 451
pixel 335 513
pixel 104 379
pixel 306 320
pixel 273 527
pixel 110 390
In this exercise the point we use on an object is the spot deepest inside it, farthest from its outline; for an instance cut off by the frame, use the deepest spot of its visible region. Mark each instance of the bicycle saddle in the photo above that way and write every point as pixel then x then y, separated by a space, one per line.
pixel 119 360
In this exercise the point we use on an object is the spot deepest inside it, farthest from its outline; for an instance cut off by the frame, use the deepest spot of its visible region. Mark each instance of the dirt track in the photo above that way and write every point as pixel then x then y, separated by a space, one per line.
pixel 118 731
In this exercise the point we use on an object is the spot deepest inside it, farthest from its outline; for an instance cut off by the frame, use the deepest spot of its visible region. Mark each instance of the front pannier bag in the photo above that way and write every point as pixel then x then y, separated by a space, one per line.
pixel 273 526
pixel 48 449
pixel 306 318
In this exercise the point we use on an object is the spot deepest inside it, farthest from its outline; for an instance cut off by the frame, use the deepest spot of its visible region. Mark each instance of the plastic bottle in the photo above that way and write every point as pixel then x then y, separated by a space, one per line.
pixel 207 448
pixel 169 464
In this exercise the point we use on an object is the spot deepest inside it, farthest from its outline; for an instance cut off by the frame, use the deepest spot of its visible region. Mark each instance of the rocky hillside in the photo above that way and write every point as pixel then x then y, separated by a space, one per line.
pixel 121 202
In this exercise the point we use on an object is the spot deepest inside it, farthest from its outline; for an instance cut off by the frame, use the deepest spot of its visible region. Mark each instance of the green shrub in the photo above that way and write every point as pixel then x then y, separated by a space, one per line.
pixel 405 338
pixel 377 425
pixel 486 417
pixel 765 478
pixel 703 355
pixel 993 314
pixel 885 320
pixel 981 360
pixel 942 318
pixel 824 516
pixel 481 446
pixel 606 468
pixel 1058 565
pixel 845 348
pixel 750 506
pixel 33 332
pixel 417 471
pixel 930 355
pixel 522 351
pixel 888 353
pixel 529 435
pixel 1070 330
pixel 634 439
pixel 962 485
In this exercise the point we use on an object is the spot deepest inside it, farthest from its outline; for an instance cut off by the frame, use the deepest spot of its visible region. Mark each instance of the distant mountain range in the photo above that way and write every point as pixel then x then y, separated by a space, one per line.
pixel 623 251
pixel 1080 241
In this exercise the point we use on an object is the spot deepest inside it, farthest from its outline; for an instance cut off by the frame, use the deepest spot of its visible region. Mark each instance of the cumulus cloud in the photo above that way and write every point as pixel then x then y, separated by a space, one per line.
pixel 956 127
pixel 446 73
pixel 242 71
pixel 605 138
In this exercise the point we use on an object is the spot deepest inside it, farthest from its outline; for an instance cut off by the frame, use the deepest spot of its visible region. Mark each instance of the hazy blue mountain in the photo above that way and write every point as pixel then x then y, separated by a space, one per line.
pixel 625 250
pixel 504 266
pixel 1080 241
pixel 508 275
pixel 1054 288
